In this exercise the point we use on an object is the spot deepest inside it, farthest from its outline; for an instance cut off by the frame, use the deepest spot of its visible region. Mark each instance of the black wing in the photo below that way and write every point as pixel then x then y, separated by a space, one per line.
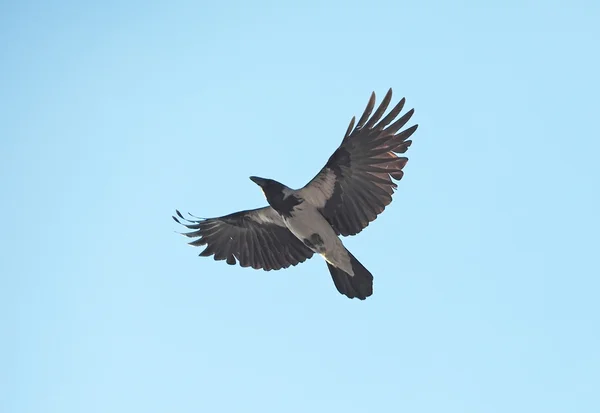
pixel 256 238
pixel 356 183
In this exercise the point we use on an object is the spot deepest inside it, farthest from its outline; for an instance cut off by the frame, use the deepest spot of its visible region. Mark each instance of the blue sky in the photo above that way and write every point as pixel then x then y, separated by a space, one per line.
pixel 486 269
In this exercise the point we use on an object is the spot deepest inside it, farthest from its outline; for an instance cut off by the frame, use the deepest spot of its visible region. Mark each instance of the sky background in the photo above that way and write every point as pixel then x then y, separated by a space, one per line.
pixel 113 114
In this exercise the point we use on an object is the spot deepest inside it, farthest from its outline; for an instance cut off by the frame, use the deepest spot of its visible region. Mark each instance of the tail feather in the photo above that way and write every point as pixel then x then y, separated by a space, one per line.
pixel 359 285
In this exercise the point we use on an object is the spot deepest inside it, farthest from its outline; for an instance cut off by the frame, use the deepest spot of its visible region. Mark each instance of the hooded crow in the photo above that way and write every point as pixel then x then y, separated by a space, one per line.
pixel 349 192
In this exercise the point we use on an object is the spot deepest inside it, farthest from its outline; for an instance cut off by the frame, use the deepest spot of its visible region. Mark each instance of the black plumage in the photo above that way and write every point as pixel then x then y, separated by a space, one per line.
pixel 351 190
pixel 364 165
pixel 257 238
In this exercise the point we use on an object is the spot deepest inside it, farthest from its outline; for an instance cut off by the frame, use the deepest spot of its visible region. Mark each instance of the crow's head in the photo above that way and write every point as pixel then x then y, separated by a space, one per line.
pixel 278 195
pixel 271 188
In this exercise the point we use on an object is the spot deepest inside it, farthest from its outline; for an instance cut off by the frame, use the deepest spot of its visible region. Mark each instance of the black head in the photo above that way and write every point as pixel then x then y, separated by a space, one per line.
pixel 269 186
pixel 277 194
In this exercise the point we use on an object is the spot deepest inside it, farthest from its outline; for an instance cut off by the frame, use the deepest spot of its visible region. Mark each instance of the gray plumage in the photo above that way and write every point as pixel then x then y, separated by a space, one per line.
pixel 350 191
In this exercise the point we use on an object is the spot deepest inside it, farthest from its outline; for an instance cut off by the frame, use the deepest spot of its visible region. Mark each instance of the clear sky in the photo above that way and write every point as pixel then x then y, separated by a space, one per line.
pixel 113 114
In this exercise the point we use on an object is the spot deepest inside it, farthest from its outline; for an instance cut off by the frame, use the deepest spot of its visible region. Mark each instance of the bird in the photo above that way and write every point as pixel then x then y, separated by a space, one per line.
pixel 349 192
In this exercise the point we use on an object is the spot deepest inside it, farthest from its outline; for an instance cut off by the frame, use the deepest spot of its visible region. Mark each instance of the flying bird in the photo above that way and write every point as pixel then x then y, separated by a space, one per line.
pixel 350 191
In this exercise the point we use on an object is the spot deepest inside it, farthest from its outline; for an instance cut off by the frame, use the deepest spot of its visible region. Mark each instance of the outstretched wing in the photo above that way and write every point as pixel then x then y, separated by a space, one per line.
pixel 256 238
pixel 356 185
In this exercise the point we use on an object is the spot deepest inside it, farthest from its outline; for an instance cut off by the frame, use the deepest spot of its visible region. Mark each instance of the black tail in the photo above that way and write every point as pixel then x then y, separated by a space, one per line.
pixel 360 285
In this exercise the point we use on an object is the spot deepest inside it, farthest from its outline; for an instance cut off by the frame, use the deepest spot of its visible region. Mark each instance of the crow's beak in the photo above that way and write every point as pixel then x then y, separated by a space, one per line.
pixel 258 181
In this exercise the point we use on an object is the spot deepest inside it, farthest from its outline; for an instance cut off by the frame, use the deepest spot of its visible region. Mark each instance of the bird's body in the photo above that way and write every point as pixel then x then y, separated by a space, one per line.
pixel 349 192
pixel 310 227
